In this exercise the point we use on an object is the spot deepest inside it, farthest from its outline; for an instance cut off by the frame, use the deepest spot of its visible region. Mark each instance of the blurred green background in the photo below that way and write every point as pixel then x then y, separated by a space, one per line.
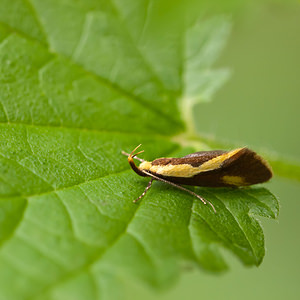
pixel 259 107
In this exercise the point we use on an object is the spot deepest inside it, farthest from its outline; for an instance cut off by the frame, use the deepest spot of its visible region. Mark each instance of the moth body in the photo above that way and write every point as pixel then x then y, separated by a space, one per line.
pixel 218 168
pixel 239 167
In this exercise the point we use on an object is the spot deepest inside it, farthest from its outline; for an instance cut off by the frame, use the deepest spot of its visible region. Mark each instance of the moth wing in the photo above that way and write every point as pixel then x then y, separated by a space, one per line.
pixel 239 167
pixel 248 165
pixel 203 156
pixel 209 154
pixel 211 160
pixel 194 159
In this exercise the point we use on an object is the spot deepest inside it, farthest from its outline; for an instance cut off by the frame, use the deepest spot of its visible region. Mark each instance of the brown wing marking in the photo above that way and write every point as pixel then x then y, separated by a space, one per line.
pixel 243 168
pixel 194 159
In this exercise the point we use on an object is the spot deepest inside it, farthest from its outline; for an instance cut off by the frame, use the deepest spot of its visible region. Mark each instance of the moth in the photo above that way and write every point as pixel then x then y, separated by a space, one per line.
pixel 236 168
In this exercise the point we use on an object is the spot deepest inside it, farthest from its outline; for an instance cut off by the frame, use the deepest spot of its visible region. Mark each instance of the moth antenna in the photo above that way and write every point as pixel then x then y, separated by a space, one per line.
pixel 132 152
pixel 145 191
pixel 132 164
pixel 181 188
pixel 127 154
pixel 133 156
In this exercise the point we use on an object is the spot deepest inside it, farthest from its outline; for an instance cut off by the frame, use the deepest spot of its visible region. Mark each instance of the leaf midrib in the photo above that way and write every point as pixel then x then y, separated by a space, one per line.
pixel 88 130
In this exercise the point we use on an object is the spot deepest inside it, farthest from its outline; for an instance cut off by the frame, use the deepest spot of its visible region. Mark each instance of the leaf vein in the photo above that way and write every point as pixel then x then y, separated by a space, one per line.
pixel 239 225
pixel 81 129
pixel 5 112
pixel 68 214
pixel 116 87
pixel 23 166
pixel 34 13
pixel 91 262
pixel 147 64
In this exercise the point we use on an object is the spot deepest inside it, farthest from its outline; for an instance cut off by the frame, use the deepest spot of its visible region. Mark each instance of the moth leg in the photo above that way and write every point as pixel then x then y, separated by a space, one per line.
pixel 145 191
pixel 181 188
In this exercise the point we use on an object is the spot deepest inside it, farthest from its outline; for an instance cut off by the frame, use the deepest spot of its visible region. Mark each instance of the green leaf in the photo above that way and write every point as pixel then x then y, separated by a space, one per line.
pixel 79 82
pixel 203 43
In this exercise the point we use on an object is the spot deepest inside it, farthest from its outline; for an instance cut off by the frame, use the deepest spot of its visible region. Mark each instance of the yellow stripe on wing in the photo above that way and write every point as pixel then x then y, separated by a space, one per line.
pixel 187 170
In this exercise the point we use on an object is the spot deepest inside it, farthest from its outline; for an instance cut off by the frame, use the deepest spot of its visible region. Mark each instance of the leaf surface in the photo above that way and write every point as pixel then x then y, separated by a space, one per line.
pixel 79 82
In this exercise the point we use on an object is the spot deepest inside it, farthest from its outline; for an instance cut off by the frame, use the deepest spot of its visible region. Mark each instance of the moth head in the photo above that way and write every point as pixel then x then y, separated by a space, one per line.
pixel 132 164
